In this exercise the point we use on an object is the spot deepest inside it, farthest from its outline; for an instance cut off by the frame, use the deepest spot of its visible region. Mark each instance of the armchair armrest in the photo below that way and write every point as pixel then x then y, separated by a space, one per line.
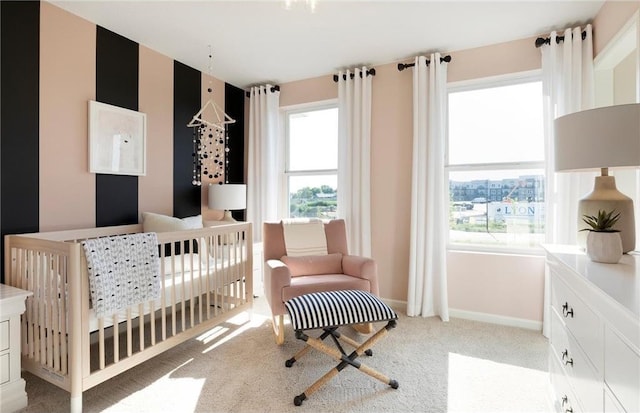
pixel 276 277
pixel 361 267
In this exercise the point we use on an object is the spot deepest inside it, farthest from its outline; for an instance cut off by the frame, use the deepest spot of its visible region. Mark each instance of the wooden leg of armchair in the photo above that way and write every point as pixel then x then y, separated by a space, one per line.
pixel 278 328
pixel 366 328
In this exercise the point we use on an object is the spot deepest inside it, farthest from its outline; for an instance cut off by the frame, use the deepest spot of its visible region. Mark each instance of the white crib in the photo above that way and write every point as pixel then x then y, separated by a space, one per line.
pixel 207 279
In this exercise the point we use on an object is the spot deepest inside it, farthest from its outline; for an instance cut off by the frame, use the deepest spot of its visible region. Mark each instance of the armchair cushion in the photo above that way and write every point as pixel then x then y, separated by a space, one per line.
pixel 314 264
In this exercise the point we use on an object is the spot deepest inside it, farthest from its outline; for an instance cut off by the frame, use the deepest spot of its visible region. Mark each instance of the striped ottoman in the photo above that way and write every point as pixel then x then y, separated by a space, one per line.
pixel 332 309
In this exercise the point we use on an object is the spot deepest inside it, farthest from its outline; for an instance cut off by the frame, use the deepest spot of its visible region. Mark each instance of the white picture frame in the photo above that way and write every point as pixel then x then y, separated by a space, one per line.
pixel 117 140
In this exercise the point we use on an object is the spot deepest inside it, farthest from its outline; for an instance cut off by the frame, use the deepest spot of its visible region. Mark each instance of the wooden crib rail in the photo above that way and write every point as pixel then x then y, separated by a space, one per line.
pixel 207 278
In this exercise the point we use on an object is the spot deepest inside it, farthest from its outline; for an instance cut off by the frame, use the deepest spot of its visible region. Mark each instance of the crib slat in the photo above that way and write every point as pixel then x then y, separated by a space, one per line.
pixel 163 294
pixel 101 342
pixel 40 338
pixel 141 325
pixel 173 290
pixel 32 305
pixel 55 287
pixel 129 333
pixel 64 360
pixel 199 264
pixel 152 318
pixel 182 281
pixel 116 339
pixel 48 278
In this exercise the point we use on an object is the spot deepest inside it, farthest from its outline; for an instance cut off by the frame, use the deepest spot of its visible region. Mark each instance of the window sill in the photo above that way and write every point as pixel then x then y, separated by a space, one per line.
pixel 491 250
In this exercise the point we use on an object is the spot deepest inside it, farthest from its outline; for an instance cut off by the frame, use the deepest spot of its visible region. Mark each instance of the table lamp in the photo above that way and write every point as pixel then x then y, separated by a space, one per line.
pixel 227 197
pixel 601 138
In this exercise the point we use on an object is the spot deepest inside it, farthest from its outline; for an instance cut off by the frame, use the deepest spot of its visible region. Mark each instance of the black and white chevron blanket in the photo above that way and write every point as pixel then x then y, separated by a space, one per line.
pixel 124 270
pixel 337 308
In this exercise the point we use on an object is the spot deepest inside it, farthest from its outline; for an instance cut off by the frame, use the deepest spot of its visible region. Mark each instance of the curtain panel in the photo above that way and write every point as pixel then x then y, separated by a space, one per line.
pixel 265 157
pixel 427 292
pixel 568 86
pixel 354 158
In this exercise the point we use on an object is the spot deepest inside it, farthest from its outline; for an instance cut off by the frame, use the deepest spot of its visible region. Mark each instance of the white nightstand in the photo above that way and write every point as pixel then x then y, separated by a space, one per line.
pixel 12 386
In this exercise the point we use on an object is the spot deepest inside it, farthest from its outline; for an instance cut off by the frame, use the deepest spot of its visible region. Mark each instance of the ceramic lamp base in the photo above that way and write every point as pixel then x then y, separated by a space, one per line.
pixel 605 196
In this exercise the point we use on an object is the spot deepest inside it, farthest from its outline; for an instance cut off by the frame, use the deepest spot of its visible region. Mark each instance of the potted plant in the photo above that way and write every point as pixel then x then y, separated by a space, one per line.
pixel 603 241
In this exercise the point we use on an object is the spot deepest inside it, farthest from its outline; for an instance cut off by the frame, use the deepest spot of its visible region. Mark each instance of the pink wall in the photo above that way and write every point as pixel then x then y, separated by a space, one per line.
pixel 67 83
pixel 155 190
pixel 506 285
pixel 499 59
pixel 610 19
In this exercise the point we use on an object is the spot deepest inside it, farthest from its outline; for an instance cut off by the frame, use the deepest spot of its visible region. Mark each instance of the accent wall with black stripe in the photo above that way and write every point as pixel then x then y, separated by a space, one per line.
pixel 46 53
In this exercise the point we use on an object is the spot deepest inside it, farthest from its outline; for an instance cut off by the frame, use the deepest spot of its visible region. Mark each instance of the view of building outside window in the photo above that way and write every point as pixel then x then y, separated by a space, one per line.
pixel 496 165
pixel 312 163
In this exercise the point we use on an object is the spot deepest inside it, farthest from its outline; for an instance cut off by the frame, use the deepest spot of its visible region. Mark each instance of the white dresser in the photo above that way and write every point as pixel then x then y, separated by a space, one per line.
pixel 12 387
pixel 594 354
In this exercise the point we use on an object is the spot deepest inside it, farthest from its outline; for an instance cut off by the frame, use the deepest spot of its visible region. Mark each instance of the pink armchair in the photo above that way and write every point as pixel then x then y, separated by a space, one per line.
pixel 287 277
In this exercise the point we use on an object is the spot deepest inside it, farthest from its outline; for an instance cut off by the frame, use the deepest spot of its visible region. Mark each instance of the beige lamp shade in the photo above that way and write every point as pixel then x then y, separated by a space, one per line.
pixel 604 137
pixel 227 197
pixel 601 138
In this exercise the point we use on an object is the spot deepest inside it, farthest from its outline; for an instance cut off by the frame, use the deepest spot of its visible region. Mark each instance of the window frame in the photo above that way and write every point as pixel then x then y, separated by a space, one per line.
pixel 286 173
pixel 488 83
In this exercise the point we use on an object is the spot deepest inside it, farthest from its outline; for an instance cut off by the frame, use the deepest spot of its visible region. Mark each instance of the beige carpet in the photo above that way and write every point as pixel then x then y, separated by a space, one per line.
pixel 459 366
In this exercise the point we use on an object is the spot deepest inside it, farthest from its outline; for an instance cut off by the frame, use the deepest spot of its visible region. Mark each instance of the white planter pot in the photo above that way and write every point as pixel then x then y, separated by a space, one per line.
pixel 604 247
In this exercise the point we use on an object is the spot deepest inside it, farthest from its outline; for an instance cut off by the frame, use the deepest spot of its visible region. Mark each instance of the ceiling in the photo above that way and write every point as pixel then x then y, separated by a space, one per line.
pixel 261 41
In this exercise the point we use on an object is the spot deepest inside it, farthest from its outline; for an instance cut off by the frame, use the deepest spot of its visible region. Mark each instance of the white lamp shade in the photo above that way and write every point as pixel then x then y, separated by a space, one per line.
pixel 598 138
pixel 227 196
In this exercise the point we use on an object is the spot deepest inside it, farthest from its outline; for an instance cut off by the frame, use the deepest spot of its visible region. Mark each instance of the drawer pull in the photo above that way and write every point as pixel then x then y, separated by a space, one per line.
pixel 566 311
pixel 565 400
pixel 566 359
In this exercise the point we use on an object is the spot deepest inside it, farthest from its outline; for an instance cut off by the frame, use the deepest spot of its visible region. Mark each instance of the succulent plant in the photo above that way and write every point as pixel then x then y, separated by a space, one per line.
pixel 603 222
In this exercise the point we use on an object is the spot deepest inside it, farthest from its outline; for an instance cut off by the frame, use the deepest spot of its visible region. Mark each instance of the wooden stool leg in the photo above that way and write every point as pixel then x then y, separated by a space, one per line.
pixel 315 386
pixel 344 361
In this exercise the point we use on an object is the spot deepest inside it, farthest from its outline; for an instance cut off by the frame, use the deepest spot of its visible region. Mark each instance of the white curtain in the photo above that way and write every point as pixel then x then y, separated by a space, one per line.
pixel 265 154
pixel 354 158
pixel 427 294
pixel 568 86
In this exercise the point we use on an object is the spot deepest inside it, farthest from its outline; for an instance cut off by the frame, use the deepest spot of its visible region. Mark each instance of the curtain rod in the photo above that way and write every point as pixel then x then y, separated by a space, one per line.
pixel 402 66
pixel 273 89
pixel 542 40
pixel 371 72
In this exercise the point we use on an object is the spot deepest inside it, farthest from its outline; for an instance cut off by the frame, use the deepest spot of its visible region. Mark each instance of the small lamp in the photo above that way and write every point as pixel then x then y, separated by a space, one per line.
pixel 602 138
pixel 227 197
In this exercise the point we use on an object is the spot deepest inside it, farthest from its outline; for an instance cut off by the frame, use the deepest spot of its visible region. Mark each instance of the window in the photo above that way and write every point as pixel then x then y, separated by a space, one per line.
pixel 495 164
pixel 311 162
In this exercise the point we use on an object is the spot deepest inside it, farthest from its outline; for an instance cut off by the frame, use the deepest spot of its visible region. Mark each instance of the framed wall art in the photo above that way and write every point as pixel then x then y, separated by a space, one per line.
pixel 117 140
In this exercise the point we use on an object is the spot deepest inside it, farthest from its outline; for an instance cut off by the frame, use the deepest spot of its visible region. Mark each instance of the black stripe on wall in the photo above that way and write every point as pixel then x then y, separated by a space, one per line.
pixel 234 99
pixel 116 84
pixel 19 126
pixel 186 103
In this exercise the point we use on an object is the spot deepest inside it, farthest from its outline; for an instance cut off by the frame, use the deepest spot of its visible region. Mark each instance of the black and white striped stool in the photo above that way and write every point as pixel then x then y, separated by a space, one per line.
pixel 332 309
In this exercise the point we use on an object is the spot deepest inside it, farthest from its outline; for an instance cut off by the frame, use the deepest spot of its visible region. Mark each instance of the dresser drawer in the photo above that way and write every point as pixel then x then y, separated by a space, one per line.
pixel 583 378
pixel 564 399
pixel 580 320
pixel 611 405
pixel 622 371
pixel 5 363
pixel 4 335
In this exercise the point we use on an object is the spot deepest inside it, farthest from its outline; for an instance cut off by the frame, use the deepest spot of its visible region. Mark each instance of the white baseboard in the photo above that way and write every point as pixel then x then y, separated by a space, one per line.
pixel 477 316
pixel 496 319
